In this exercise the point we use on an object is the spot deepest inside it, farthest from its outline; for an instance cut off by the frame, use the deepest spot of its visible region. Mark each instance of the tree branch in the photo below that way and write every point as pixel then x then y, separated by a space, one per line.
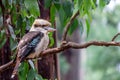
pixel 115 36
pixel 68 25
pixel 79 46
pixel 67 46
pixel 6 66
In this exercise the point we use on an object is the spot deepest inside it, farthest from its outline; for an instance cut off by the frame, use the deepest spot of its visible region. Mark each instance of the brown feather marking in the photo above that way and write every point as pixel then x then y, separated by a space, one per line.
pixel 26 38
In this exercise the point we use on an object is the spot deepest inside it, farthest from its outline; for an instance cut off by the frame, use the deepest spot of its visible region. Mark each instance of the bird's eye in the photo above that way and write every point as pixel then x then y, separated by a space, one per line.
pixel 37 25
pixel 43 25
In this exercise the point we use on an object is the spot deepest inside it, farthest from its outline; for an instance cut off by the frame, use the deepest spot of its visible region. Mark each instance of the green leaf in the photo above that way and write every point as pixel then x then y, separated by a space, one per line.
pixel 67 6
pixel 23 70
pixel 12 32
pixel 38 77
pixel 19 21
pixel 2 42
pixel 51 39
pixel 31 74
pixel 52 14
pixel 13 44
pixel 2 38
pixel 57 4
pixel 102 3
pixel 24 12
pixel 48 3
pixel 88 26
pixel 32 6
pixel 81 26
pixel 63 18
pixel 73 27
pixel 93 3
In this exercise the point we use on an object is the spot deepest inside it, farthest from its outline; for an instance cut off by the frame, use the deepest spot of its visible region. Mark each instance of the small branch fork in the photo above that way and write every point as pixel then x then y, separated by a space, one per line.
pixel 115 36
pixel 66 45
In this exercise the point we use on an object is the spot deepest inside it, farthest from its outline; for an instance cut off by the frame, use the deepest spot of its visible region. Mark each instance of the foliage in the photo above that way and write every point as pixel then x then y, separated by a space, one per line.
pixel 23 13
pixel 103 63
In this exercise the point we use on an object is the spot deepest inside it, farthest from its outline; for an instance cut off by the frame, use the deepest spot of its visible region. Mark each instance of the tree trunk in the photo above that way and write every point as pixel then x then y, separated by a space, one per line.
pixel 46 66
pixel 73 59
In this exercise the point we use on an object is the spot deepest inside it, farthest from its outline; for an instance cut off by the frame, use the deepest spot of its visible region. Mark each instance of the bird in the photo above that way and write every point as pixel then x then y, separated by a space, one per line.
pixel 33 43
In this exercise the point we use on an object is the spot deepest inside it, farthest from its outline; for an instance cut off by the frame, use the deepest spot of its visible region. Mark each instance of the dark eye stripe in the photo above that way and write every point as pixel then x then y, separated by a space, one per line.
pixel 36 25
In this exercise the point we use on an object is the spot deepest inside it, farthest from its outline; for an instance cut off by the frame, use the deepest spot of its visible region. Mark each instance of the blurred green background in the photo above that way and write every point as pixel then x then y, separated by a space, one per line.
pixel 103 63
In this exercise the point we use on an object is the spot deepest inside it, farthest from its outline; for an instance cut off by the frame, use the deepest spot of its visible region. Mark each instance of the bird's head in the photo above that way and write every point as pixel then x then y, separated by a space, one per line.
pixel 42 25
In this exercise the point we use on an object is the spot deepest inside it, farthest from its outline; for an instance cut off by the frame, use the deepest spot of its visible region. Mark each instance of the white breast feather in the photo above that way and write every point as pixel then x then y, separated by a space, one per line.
pixel 42 45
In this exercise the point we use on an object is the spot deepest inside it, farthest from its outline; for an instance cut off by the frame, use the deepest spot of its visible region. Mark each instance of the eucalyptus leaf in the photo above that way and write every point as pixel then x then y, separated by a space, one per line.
pixel 81 26
pixel 23 70
pixel 13 44
pixel 102 3
pixel 57 5
pixel 2 38
pixel 73 27
pixel 32 6
pixel 88 26
pixel 2 42
pixel 52 14
pixel 48 3
pixel 38 77
pixel 67 6
pixel 51 39
pixel 12 32
pixel 31 75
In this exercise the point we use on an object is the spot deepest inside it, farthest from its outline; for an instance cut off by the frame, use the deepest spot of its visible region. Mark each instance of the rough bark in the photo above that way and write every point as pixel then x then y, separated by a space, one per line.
pixel 46 64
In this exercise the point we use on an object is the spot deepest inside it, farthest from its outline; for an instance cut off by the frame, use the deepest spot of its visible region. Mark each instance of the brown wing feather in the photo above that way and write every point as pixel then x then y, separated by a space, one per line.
pixel 21 47
pixel 26 38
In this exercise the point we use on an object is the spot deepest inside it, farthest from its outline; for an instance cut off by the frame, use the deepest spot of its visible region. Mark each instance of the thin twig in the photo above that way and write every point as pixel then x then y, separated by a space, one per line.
pixel 6 66
pixel 115 36
pixel 68 25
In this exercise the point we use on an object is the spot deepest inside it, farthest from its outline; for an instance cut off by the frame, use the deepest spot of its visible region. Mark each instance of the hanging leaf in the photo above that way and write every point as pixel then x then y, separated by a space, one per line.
pixel 48 3
pixel 31 75
pixel 23 70
pixel 63 18
pixel 51 39
pixel 73 27
pixel 32 6
pixel 52 14
pixel 102 3
pixel 38 77
pixel 67 7
pixel 88 26
pixel 2 38
pixel 93 4
pixel 57 5
pixel 12 32
pixel 13 44
pixel 81 26
pixel 19 21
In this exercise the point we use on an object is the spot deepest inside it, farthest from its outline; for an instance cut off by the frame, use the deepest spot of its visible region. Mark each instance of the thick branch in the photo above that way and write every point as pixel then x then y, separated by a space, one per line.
pixel 68 25
pixel 72 45
pixel 67 46
pixel 79 46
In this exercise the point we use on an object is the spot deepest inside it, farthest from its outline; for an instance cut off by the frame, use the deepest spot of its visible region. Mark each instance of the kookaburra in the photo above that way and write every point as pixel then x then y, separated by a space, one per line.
pixel 33 43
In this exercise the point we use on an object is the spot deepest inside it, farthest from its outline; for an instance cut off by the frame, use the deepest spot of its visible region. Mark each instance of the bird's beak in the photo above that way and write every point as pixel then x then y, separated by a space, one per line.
pixel 49 29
